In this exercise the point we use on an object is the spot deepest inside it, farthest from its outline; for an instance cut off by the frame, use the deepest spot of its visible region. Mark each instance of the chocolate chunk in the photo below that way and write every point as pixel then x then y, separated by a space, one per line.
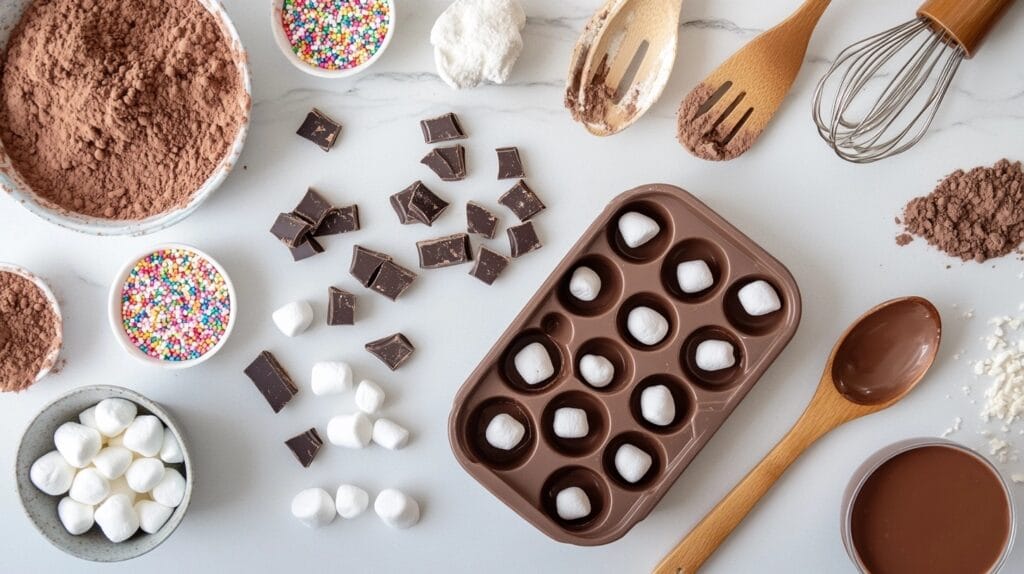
pixel 444 251
pixel 400 203
pixel 306 249
pixel 441 129
pixel 449 163
pixel 305 446
pixel 320 129
pixel 392 280
pixel 480 220
pixel 313 208
pixel 341 307
pixel 392 351
pixel 522 201
pixel 424 205
pixel 366 264
pixel 523 239
pixel 510 166
pixel 339 220
pixel 271 380
pixel 489 265
pixel 290 229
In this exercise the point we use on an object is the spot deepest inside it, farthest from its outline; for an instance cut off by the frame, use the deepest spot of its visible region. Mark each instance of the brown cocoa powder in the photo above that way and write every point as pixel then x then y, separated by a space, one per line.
pixel 28 331
pixel 119 110
pixel 700 135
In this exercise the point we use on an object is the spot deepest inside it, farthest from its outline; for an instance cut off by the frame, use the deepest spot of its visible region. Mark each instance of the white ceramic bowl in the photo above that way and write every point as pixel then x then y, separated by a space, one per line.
pixel 281 39
pixel 51 359
pixel 20 191
pixel 114 310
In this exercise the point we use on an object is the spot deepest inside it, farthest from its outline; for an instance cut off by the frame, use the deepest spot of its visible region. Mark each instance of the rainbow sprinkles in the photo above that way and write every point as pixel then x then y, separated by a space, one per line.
pixel 336 34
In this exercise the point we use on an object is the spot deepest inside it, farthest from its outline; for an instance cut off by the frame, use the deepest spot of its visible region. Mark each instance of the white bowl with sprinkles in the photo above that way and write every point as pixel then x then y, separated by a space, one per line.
pixel 173 306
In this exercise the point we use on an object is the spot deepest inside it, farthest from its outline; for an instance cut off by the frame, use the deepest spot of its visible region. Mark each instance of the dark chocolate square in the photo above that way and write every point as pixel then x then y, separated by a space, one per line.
pixel 339 220
pixel 523 239
pixel 320 129
pixel 442 128
pixel 425 206
pixel 271 380
pixel 489 265
pixel 306 249
pixel 449 163
pixel 366 264
pixel 480 220
pixel 290 229
pixel 392 280
pixel 510 166
pixel 400 203
pixel 313 208
pixel 305 446
pixel 522 201
pixel 341 307
pixel 393 350
pixel 444 251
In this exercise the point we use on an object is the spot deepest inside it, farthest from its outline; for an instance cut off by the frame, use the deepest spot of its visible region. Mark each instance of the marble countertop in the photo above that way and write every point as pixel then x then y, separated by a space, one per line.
pixel 830 222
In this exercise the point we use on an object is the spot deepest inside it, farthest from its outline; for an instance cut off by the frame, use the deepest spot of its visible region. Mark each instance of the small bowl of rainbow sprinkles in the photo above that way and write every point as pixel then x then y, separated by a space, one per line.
pixel 333 38
pixel 172 306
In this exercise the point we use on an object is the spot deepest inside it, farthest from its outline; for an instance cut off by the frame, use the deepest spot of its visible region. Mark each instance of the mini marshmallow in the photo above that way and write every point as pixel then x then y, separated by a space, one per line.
pixel 88 418
pixel 597 371
pixel 632 463
pixel 116 440
pixel 572 503
pixel 119 486
pixel 657 405
pixel 52 474
pixel 112 461
pixel 170 450
pixel 78 443
pixel 152 515
pixel 585 284
pixel 396 509
pixel 145 435
pixel 504 432
pixel 89 487
pixel 369 397
pixel 570 423
pixel 76 517
pixel 117 518
pixel 647 326
pixel 715 355
pixel 759 298
pixel 351 501
pixel 331 378
pixel 637 229
pixel 114 415
pixel 144 474
pixel 314 507
pixel 694 276
pixel 389 434
pixel 350 431
pixel 294 318
pixel 171 489
pixel 534 364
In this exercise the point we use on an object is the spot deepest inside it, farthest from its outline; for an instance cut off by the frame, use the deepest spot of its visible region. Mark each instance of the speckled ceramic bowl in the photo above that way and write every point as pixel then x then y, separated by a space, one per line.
pixel 51 358
pixel 42 508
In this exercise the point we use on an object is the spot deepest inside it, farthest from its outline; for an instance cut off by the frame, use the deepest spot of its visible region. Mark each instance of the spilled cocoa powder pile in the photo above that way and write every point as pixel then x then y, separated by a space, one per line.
pixel 119 110
pixel 698 133
pixel 974 215
pixel 28 332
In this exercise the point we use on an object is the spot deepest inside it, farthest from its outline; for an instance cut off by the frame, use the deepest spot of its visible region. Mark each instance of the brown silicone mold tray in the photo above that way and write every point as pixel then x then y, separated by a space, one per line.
pixel 528 477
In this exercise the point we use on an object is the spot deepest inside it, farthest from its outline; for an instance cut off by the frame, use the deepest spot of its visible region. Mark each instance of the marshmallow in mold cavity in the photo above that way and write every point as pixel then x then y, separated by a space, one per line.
pixel 694 276
pixel 331 378
pixel 396 509
pixel 78 443
pixel 76 517
pixel 89 487
pixel 114 415
pixel 504 432
pixel 477 40
pixel 113 461
pixel 585 284
pixel 144 474
pixel 145 435
pixel 632 463
pixel 596 370
pixel 171 489
pixel 759 298
pixel 369 397
pixel 350 431
pixel 637 229
pixel 170 450
pixel 657 406
pixel 293 318
pixel 647 326
pixel 152 515
pixel 715 355
pixel 389 434
pixel 572 503
pixel 351 501
pixel 314 507
pixel 117 518
pixel 52 474
pixel 570 422
pixel 533 363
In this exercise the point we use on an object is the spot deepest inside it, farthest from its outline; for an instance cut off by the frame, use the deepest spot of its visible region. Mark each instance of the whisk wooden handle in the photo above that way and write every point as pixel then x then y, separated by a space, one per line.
pixel 967 21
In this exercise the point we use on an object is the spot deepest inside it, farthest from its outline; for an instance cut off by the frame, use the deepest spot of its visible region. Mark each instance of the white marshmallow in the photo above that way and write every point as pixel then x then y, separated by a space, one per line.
pixel 331 378
pixel 171 489
pixel 116 440
pixel 144 474
pixel 597 371
pixel 294 318
pixel 369 397
pixel 152 515
pixel 570 423
pixel 76 517
pixel 170 450
pixel 504 432
pixel 759 298
pixel 117 518
pixel 694 276
pixel 351 501
pixel 647 326
pixel 52 474
pixel 350 431
pixel 145 435
pixel 632 463
pixel 585 284
pixel 78 443
pixel 534 364
pixel 119 486
pixel 390 434
pixel 657 405
pixel 637 229
pixel 314 507
pixel 572 503
pixel 88 418
pixel 715 355
pixel 396 509
pixel 89 487
pixel 114 415
pixel 112 461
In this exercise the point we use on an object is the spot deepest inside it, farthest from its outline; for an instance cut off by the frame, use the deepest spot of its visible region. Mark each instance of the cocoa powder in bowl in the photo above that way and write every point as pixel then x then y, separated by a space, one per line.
pixel 119 110
pixel 29 331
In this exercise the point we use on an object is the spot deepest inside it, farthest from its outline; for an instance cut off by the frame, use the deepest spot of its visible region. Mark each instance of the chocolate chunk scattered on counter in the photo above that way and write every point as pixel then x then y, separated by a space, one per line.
pixel 339 220
pixel 400 203
pixel 510 166
pixel 444 251
pixel 425 206
pixel 341 307
pixel 392 280
pixel 313 208
pixel 366 264
pixel 306 248
pixel 489 265
pixel 449 163
pixel 290 229
pixel 522 201
pixel 305 446
pixel 320 129
pixel 271 380
pixel 441 129
pixel 523 239
pixel 480 220
pixel 393 351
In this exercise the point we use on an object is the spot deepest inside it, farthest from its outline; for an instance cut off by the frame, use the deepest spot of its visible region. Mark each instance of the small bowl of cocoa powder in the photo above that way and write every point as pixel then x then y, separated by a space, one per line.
pixel 31 328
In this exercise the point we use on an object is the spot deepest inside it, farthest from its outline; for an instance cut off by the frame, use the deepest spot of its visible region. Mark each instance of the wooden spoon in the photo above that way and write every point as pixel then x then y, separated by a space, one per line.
pixel 876 362
pixel 723 116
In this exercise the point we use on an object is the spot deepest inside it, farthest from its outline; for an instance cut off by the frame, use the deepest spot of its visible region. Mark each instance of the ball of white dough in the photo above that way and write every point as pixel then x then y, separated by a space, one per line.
pixel 389 434
pixel 170 450
pixel 715 355
pixel 637 229
pixel 331 378
pixel 112 461
pixel 570 422
pixel 350 431
pixel 293 318
pixel 477 41
pixel 88 418
pixel 572 503
pixel 632 463
pixel 114 415
pixel 152 515
pixel 314 507
pixel 759 298
pixel 533 363
pixel 89 487
pixel 504 432
pixel 369 397
pixel 351 501
pixel 585 284
pixel 117 518
pixel 647 326
pixel 52 474
pixel 694 276
pixel 170 491
pixel 76 517
pixel 145 435
pixel 657 405
pixel 144 474
pixel 78 443
pixel 596 370
pixel 396 509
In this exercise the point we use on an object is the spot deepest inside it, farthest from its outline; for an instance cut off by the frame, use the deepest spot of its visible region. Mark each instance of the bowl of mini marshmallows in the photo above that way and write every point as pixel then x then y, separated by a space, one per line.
pixel 104 474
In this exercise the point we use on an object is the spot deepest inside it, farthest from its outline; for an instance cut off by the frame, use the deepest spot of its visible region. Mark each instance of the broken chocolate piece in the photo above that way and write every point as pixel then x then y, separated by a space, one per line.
pixel 424 205
pixel 522 201
pixel 290 229
pixel 449 163
pixel 341 307
pixel 393 351
pixel 489 265
pixel 313 208
pixel 441 129
pixel 306 249
pixel 523 239
pixel 392 280
pixel 510 166
pixel 480 220
pixel 400 203
pixel 271 380
pixel 339 220
pixel 366 264
pixel 320 129
pixel 305 446
pixel 444 251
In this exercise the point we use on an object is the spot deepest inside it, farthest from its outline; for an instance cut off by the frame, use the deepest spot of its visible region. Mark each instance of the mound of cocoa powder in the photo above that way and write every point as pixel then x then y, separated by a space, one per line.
pixel 29 331
pixel 119 110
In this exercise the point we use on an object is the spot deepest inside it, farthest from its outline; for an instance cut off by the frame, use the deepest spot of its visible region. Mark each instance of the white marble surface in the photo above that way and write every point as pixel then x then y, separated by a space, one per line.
pixel 830 222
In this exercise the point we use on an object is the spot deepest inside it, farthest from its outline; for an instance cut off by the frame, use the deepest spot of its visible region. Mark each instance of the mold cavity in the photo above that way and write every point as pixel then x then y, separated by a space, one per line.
pixel 511 374
pixel 595 488
pixel 630 461
pixel 475 434
pixel 716 380
pixel 746 323
pixel 681 408
pixel 605 300
pixel 596 421
pixel 651 301
pixel 653 248
pixel 616 354
pixel 557 326
pixel 692 250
